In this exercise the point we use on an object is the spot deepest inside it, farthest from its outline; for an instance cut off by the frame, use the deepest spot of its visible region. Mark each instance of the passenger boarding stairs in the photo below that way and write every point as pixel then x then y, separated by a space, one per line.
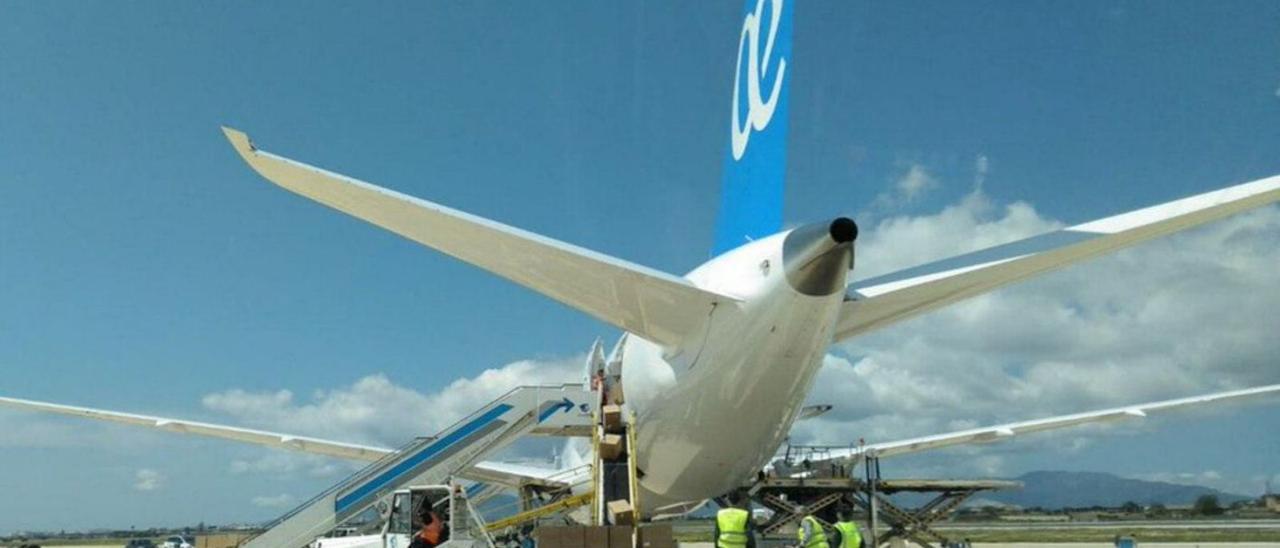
pixel 546 410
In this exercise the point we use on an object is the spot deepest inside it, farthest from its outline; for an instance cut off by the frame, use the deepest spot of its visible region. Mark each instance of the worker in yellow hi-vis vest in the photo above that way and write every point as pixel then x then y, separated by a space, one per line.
pixel 733 524
pixel 811 534
pixel 846 533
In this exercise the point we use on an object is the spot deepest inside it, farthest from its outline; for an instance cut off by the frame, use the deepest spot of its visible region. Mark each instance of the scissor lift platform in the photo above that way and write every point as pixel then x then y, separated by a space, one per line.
pixel 793 498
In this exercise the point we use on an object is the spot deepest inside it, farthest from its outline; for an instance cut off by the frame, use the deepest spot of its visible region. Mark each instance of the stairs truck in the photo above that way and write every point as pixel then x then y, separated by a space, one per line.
pixel 462 526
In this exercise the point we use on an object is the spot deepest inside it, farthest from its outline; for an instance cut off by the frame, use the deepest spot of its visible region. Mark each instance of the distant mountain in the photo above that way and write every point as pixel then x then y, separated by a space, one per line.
pixel 1054 490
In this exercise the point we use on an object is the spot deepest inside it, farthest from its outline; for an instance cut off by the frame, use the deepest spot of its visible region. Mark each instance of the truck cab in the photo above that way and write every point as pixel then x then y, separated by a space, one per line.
pixel 408 504
pixel 458 529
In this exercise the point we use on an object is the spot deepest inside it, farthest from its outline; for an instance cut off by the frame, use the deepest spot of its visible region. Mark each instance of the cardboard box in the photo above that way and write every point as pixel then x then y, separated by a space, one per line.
pixel 620 536
pixel 611 446
pixel 612 415
pixel 548 537
pixel 574 537
pixel 595 537
pixel 657 535
pixel 621 513
pixel 614 394
pixel 560 537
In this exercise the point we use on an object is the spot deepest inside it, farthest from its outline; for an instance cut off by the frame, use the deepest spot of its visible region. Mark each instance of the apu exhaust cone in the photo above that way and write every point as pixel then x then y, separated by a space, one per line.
pixel 817 257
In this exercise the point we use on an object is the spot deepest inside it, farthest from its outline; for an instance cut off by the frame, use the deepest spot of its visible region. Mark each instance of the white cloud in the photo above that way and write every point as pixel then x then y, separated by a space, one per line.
pixel 915 183
pixel 147 479
pixel 910 187
pixel 282 500
pixel 374 410
pixel 975 222
pixel 279 463
pixel 981 167
pixel 1184 315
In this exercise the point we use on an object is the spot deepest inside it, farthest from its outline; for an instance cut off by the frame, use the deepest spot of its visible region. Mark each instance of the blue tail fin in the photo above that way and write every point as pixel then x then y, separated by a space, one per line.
pixel 751 195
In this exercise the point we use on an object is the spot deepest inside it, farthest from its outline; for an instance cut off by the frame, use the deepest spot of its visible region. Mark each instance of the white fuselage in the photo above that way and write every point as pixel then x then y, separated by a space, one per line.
pixel 711 414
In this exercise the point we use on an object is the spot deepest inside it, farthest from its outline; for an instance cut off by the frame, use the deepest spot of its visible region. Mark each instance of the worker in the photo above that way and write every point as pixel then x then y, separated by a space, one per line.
pixel 597 380
pixel 733 524
pixel 811 534
pixel 433 532
pixel 600 385
pixel 846 531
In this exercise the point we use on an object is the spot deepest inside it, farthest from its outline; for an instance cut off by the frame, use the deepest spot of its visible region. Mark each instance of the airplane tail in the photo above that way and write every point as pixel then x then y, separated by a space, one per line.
pixel 751 192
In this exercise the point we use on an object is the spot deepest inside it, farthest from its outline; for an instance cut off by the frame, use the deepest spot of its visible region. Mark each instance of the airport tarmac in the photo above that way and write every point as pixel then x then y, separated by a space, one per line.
pixel 978 545
pixel 1230 524
pixel 1078 544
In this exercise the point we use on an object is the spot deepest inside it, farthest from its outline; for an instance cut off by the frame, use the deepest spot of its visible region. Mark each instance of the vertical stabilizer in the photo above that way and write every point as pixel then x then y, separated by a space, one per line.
pixel 751 194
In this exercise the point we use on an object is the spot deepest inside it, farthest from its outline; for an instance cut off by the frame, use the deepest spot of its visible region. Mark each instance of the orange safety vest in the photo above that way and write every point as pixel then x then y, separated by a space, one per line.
pixel 432 530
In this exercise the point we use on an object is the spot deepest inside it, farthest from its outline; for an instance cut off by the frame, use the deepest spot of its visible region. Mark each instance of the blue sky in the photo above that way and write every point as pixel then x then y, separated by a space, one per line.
pixel 143 267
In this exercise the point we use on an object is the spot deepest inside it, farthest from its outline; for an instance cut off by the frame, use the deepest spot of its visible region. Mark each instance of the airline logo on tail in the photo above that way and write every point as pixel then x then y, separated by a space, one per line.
pixel 751 200
pixel 759 111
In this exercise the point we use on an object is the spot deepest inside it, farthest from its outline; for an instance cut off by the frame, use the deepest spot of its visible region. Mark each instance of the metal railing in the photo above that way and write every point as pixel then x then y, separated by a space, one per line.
pixel 534 392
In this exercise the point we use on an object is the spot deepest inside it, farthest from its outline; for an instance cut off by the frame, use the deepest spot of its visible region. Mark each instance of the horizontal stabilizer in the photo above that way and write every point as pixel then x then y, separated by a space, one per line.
pixel 655 305
pixel 885 300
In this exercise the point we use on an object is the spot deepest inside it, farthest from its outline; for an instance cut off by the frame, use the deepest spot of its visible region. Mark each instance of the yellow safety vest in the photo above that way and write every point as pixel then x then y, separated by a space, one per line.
pixel 849 535
pixel 732 523
pixel 819 538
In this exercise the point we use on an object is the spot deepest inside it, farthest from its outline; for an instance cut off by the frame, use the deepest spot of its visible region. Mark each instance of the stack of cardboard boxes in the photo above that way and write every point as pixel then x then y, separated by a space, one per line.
pixel 650 536
pixel 613 449
pixel 658 535
pixel 616 485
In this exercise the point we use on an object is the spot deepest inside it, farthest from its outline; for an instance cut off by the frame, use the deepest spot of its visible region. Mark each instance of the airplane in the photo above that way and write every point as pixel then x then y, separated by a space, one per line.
pixel 717 364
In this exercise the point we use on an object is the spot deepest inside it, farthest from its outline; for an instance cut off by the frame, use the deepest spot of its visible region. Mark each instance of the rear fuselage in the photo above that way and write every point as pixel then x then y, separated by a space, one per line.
pixel 711 413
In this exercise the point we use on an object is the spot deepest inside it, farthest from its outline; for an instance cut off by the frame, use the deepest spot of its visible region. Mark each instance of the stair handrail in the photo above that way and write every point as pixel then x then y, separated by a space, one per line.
pixel 398 452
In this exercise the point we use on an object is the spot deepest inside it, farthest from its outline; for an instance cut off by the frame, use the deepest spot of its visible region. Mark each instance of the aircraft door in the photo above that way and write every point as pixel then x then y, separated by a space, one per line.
pixel 400 522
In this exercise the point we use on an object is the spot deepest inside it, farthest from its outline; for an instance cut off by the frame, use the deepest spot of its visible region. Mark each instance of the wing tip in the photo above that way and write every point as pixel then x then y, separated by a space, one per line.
pixel 239 140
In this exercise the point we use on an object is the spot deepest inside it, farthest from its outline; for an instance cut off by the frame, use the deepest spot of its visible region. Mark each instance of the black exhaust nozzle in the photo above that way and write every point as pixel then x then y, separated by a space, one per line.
pixel 843 230
pixel 816 258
